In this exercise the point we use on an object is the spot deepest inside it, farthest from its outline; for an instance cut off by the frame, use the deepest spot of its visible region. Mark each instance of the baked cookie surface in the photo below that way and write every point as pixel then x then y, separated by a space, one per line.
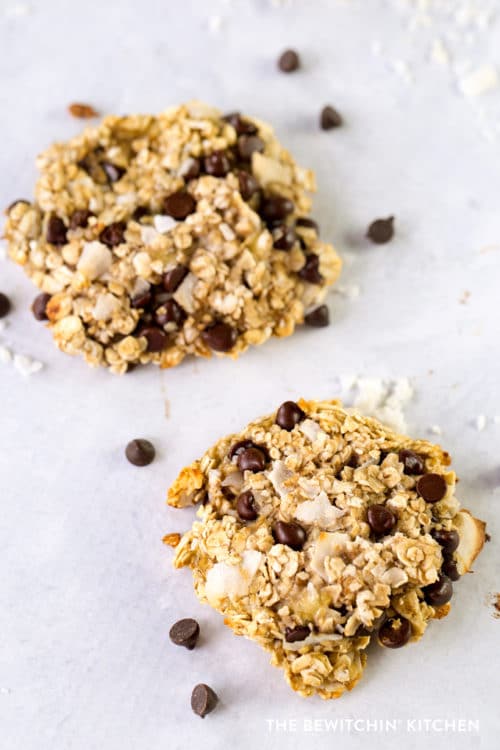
pixel 155 237
pixel 321 530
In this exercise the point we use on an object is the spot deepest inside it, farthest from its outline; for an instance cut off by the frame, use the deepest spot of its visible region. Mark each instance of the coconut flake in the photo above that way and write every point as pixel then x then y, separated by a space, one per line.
pixel 268 171
pixel 233 480
pixel 164 224
pixel 5 355
pixel 319 512
pixel 394 577
pixel 480 422
pixel 25 365
pixel 95 259
pixel 312 640
pixel 106 305
pixel 326 545
pixel 184 294
pixel 312 430
pixel 278 476
pixel 148 234
pixel 232 581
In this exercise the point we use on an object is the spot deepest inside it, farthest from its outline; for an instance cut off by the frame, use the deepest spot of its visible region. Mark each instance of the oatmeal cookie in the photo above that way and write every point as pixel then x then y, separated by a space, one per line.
pixel 154 237
pixel 321 529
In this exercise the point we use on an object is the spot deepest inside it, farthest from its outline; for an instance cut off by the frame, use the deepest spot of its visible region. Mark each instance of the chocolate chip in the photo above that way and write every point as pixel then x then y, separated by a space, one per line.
pixel 172 278
pixel 242 127
pixel 290 534
pixel 284 237
pixel 288 415
pixel 179 205
pixel 395 632
pixel 449 540
pixel 39 306
pixel 156 337
pixel 191 169
pixel 329 118
pixel 251 459
pixel 56 231
pixel 381 230
pixel 239 447
pixel 305 221
pixel 217 164
pixel 246 507
pixel 141 300
pixel 275 208
pixel 310 270
pixel 318 318
pixel 298 633
pixel 432 487
pixel 381 519
pixel 185 633
pixel 203 700
pixel 140 452
pixel 112 171
pixel 248 185
pixel 113 234
pixel 221 337
pixel 170 312
pixel 249 144
pixel 80 218
pixel 413 463
pixel 16 203
pixel 4 305
pixel 438 593
pixel 288 61
pixel 140 212
pixel 449 568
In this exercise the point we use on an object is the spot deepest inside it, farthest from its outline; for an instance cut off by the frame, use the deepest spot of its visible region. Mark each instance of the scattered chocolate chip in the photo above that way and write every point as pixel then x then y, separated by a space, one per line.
pixel 288 415
pixel 172 278
pixel 141 300
pixel 217 164
pixel 239 447
pixel 156 337
pixel 245 506
pixel 113 234
pixel 275 208
pixel 449 568
pixel 487 537
pixel 113 171
pixel 381 519
pixel 56 231
pixel 170 312
pixel 16 203
pixel 288 61
pixel 248 185
pixel 329 118
pixel 39 306
pixel 290 534
pixel 310 270
pixel 179 205
pixel 203 700
pixel 438 593
pixel 318 318
pixel 381 230
pixel 413 463
pixel 4 305
pixel 82 111
pixel 249 144
pixel 251 459
pixel 140 452
pixel 185 633
pixel 298 633
pixel 80 218
pixel 449 540
pixel 305 221
pixel 284 237
pixel 221 337
pixel 242 127
pixel 432 487
pixel 191 170
pixel 395 632
pixel 140 212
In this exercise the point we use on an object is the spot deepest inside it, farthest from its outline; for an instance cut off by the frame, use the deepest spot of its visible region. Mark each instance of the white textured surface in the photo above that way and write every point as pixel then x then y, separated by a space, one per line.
pixel 87 591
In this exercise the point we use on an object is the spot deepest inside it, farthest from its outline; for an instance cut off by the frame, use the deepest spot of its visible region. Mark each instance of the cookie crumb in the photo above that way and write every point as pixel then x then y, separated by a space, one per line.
pixel 172 540
pixel 82 111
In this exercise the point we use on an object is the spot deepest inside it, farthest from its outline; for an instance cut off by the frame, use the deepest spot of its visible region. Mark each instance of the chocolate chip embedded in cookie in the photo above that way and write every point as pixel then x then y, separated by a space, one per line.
pixel 160 237
pixel 321 530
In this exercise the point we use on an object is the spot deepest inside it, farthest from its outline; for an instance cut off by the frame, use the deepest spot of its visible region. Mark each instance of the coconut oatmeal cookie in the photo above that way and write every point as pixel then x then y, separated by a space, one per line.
pixel 321 530
pixel 154 237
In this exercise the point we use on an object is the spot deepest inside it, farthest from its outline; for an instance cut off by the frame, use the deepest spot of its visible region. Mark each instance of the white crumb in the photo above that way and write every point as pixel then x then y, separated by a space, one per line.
pixel 17 10
pixel 26 365
pixel 5 355
pixel 481 80
pixel 214 24
pixel 480 422
pixel 435 429
pixel 385 400
pixel 351 291
pixel 402 69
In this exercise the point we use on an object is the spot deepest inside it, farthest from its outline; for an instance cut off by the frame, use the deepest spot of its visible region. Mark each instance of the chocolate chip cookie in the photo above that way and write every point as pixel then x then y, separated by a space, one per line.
pixel 321 530
pixel 155 237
